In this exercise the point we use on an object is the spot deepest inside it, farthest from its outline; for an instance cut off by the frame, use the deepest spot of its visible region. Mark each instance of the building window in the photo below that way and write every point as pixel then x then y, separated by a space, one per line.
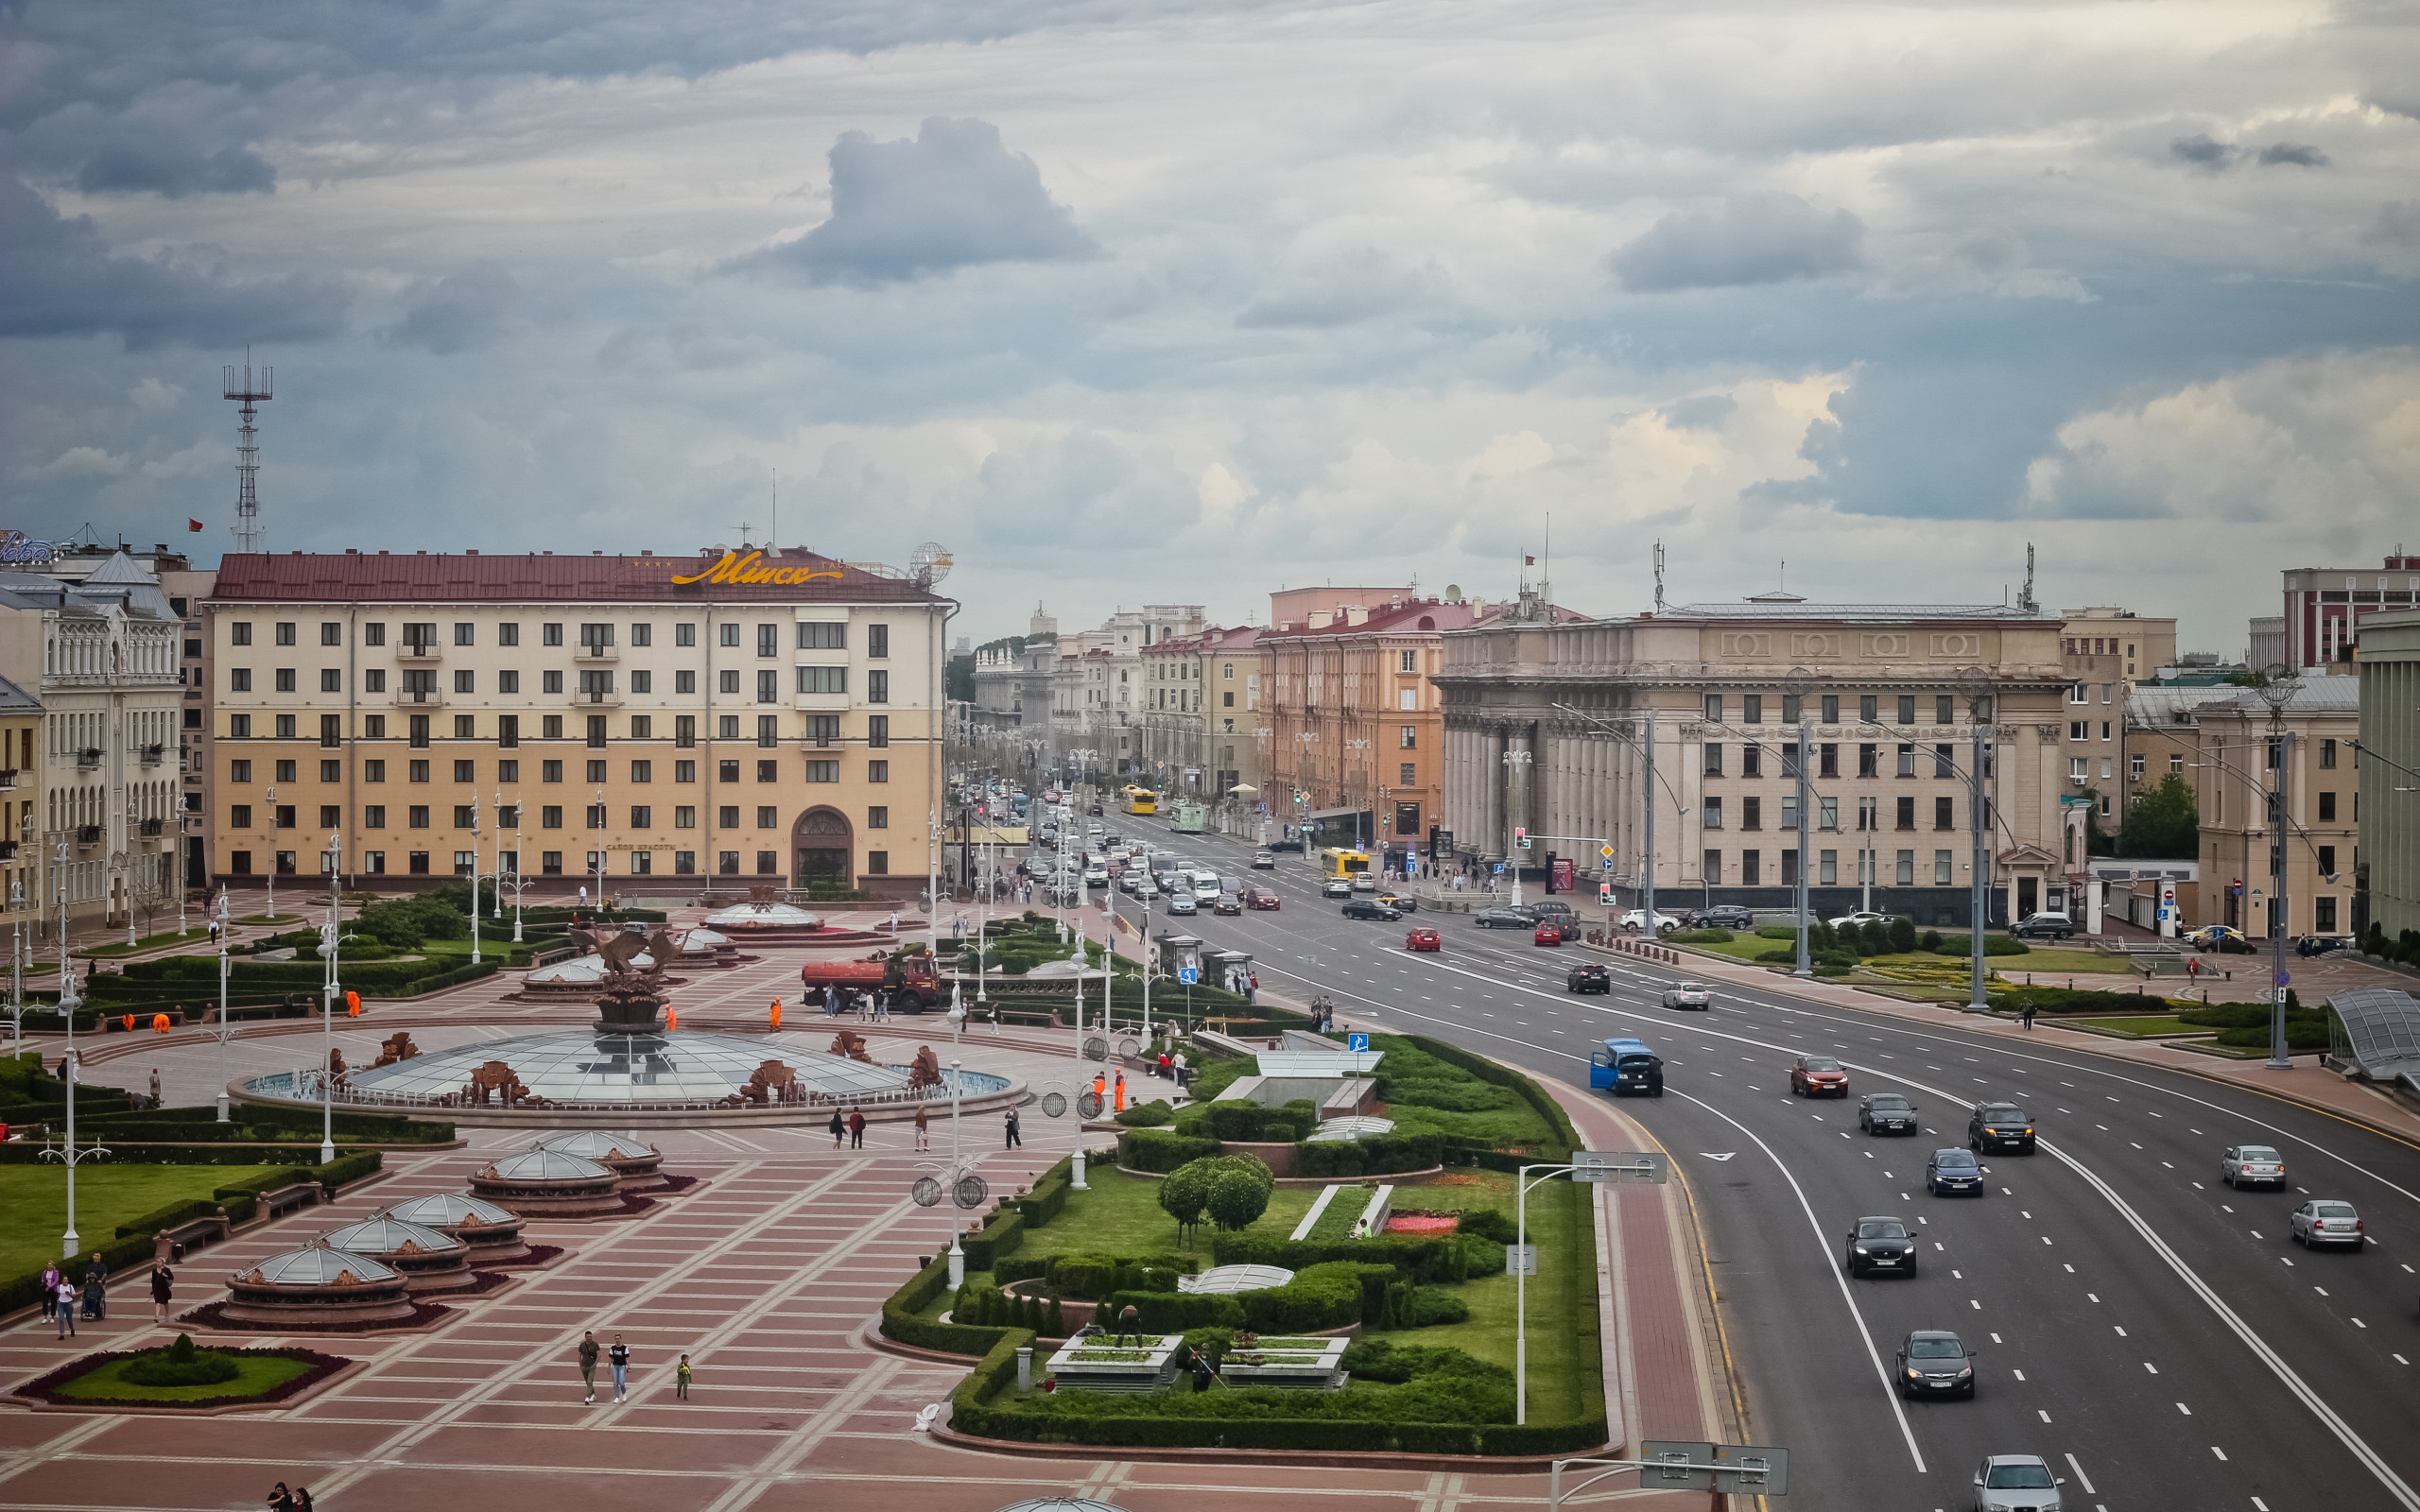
pixel 2324 915
pixel 642 635
pixel 877 686
pixel 240 633
pixel 416 862
pixel 1869 814
pixel 685 633
pixel 1869 761
pixel 1712 864
pixel 823 637
pixel 550 682
pixel 1712 812
pixel 768 730
pixel 509 633
pixel 1751 868
pixel 595 731
pixel 729 681
pixel 1407 775
pixel 1868 708
pixel 551 771
pixel 1827 813
pixel 239 771
pixel 684 816
pixel 1940 868
pixel 550 633
pixel 878 732
pixel 595 815
pixel 1945 761
pixel 283 771
pixel 550 816
pixel 769 771
pixel 642 862
pixel 550 863
pixel 1945 708
pixel 2328 755
pixel 1788 759
pixel 2076 773
pixel 878 771
pixel 1943 813
pixel 1906 708
pixel 1789 869
pixel 642 682
pixel 416 817
pixel 684 863
pixel 286 633
pixel 1789 811
pixel 1712 758
pixel 642 772
pixel 1751 760
pixel 1907 814
pixel 2076 693
pixel 823 730
pixel 729 636
pixel 240 816
pixel 768 687
pixel 2328 808
pixel 727 862
pixel 824 679
pixel 877 863
pixel 767 817
pixel 1906 871
pixel 465 772
pixel 285 680
pixel 1752 708
pixel 768 863
pixel 642 816
pixel 1907 760
pixel 1713 708
pixel 373 863
pixel 1752 813
pixel 1827 867
pixel 1408 738
pixel 877 640
pixel 727 817
pixel 684 682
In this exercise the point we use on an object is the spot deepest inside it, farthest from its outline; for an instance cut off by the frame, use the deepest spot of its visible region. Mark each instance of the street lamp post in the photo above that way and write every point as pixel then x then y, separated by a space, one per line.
pixel 475 879
pixel 2279 1059
pixel 1806 853
pixel 1514 761
pixel 1980 709
pixel 499 858
pixel 328 937
pixel 272 915
pixel 1076 1162
pixel 176 868
pixel 70 1070
pixel 224 1030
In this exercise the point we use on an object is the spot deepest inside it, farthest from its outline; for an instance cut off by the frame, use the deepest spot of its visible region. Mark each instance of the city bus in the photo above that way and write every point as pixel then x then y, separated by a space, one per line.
pixel 1336 862
pixel 1142 800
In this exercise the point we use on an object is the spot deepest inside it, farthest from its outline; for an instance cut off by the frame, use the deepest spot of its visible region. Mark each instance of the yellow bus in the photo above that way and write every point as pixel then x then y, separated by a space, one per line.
pixel 1142 800
pixel 1341 862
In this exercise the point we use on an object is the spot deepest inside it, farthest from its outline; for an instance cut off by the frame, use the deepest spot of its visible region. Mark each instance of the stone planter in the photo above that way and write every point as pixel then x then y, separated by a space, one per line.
pixel 1309 1363
pixel 1098 1364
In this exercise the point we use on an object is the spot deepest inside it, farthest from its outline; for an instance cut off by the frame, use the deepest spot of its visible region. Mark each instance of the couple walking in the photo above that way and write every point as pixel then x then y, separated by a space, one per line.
pixel 854 1127
pixel 619 1358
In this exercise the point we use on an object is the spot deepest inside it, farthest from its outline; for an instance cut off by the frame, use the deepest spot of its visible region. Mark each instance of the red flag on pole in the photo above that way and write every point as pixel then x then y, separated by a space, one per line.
pixel 192 524
pixel 1528 562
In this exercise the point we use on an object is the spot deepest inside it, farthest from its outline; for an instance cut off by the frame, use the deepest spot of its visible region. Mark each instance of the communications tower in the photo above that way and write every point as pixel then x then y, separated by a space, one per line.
pixel 251 390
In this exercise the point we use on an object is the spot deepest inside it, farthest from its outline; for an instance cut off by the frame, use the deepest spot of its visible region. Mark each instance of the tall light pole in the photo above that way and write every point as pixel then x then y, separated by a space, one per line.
pixel 1805 852
pixel 499 858
pixel 1647 793
pixel 601 831
pixel 70 1070
pixel 475 879
pixel 175 868
pixel 272 915
pixel 225 1029
pixel 2279 795
pixel 1514 762
pixel 328 935
pixel 1976 684
pixel 1076 1161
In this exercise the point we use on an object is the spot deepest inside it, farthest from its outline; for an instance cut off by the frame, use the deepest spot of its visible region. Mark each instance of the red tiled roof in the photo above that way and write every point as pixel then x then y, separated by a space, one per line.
pixel 1386 619
pixel 541 578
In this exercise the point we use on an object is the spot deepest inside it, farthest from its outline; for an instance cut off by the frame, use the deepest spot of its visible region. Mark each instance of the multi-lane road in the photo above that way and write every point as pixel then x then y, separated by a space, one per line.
pixel 2154 1334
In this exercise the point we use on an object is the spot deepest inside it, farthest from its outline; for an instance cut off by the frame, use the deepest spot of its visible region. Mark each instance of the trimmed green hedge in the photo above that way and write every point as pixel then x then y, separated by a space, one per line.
pixel 1422 1260
pixel 1372 1154
pixel 2079 1000
pixel 900 1321
pixel 1155 1151
pixel 1529 1091
pixel 1245 1123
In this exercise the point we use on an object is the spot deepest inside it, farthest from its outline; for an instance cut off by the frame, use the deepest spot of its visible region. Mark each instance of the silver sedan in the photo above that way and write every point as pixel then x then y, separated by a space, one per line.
pixel 2246 1164
pixel 1688 995
pixel 2325 1221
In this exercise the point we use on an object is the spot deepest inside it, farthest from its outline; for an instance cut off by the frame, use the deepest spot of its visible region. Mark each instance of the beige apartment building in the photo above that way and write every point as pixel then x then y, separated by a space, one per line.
pixel 1199 721
pixel 1546 727
pixel 718 721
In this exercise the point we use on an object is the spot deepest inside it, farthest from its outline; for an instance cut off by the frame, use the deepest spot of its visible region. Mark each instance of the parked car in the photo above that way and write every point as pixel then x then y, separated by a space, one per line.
pixel 1295 845
pixel 2000 1127
pixel 1181 905
pixel 1588 977
pixel 1858 920
pixel 1688 995
pixel 2323 944
pixel 1226 902
pixel 1879 1244
pixel 2044 926
pixel 1952 1171
pixel 1337 887
pixel 1818 1076
pixel 1399 900
pixel 1504 918
pixel 1422 938
pixel 2240 1164
pixel 1264 861
pixel 2326 1220
pixel 1555 909
pixel 1257 897
pixel 2016 1483
pixel 1636 919
pixel 1885 1113
pixel 1547 932
pixel 1723 915
pixel 1935 1363
pixel 1369 908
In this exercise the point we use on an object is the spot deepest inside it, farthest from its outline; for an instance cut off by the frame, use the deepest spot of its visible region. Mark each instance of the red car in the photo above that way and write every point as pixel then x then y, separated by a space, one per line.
pixel 1422 938
pixel 1818 1076
pixel 1261 898
pixel 1548 933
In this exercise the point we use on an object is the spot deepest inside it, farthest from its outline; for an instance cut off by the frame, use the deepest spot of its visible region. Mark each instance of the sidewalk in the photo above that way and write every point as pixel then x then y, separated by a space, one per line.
pixel 2309 1083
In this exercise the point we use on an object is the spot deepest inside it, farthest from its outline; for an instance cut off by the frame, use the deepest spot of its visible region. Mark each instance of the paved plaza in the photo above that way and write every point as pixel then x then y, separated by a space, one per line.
pixel 769 1275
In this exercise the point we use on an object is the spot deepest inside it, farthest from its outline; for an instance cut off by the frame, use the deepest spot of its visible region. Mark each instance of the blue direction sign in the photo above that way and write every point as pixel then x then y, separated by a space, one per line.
pixel 1358 1043
pixel 2282 978
pixel 1188 974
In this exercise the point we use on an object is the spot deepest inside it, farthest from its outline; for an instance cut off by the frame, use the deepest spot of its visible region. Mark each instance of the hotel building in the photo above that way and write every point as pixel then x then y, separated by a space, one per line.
pixel 721 721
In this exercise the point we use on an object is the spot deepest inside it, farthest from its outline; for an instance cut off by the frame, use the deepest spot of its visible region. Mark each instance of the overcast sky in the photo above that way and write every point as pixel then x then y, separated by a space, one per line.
pixel 1184 302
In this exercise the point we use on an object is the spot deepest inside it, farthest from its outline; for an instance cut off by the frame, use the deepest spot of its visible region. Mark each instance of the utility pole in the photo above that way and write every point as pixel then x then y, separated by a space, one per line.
pixel 328 1007
pixel 1978 829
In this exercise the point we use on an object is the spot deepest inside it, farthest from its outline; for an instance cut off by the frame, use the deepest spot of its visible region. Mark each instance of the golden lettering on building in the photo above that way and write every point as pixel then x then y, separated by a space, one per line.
pixel 753 569
pixel 1747 646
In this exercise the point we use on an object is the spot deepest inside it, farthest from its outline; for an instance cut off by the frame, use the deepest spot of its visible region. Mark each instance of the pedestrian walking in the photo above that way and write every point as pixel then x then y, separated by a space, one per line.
pixel 619 1357
pixel 155 1086
pixel 97 1294
pixel 1015 1138
pixel 163 1281
pixel 831 999
pixel 681 1380
pixel 302 1498
pixel 1121 1093
pixel 856 1128
pixel 1178 1066
pixel 279 1499
pixel 838 1128
pixel 588 1353
pixel 50 1280
pixel 924 1131
pixel 1252 988
pixel 2028 1017
pixel 65 1302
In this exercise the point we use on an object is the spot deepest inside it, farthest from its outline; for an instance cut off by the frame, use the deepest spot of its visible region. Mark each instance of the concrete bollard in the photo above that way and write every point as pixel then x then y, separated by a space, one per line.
pixel 1025 1370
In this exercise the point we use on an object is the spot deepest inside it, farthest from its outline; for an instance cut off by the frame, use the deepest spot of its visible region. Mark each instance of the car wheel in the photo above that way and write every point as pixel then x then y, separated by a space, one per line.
pixel 2300 1240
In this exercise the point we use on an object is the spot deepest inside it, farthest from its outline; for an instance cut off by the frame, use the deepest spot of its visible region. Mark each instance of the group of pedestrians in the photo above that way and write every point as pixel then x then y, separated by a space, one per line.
pixel 282 1500
pixel 618 1359
pixel 64 1293
pixel 852 1127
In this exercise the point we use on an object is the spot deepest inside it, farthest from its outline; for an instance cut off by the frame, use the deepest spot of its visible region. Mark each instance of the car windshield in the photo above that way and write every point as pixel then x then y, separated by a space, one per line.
pixel 2332 1210
pixel 1881 1228
pixel 1634 1061
pixel 2018 1478
pixel 1887 1104
pixel 2256 1152
pixel 1822 1063
pixel 2003 1113
pixel 1924 1348
pixel 1954 1160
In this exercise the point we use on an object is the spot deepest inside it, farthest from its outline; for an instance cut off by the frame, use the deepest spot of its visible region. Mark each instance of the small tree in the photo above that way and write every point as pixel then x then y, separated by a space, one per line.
pixel 1186 1193
pixel 1237 1202
pixel 1903 934
pixel 2164 823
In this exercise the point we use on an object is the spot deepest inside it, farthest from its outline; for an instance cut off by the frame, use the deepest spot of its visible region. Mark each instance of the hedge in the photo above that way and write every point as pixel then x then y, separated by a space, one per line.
pixel 2078 999
pixel 382 1127
pixel 1488 1070
pixel 1419 1259
pixel 1153 1150
pixel 900 1321
pixel 1245 1123
pixel 1371 1155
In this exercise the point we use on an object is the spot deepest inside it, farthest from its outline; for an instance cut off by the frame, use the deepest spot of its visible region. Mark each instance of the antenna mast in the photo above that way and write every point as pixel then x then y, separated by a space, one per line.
pixel 1659 577
pixel 251 392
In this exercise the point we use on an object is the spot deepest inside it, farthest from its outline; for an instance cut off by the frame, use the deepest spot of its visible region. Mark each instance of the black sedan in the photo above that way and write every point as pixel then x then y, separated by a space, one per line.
pixel 2000 1127
pixel 1505 919
pixel 1295 845
pixel 1590 978
pixel 1880 1245
pixel 1934 1363
pixel 1885 1113
pixel 1371 908
pixel 1954 1173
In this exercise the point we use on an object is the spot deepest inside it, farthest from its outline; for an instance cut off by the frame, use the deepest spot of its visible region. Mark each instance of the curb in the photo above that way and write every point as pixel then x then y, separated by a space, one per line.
pixel 1320 1459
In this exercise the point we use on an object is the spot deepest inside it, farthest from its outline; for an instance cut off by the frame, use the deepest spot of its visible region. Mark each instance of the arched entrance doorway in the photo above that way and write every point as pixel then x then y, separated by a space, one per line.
pixel 821 840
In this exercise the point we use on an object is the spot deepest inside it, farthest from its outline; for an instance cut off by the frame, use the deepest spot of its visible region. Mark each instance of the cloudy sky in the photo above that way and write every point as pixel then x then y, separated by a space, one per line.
pixel 1188 301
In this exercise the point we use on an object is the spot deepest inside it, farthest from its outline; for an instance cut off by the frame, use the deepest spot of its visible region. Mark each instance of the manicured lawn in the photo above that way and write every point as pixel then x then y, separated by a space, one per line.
pixel 255 1376
pixel 33 1203
pixel 2146 1024
pixel 1121 1215
pixel 199 931
pixel 2043 961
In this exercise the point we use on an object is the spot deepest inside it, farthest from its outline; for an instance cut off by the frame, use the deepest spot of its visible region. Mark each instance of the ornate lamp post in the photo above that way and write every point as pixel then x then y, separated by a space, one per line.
pixel 1515 764
pixel 474 880
pixel 225 1029
pixel 328 938
pixel 271 794
pixel 70 1070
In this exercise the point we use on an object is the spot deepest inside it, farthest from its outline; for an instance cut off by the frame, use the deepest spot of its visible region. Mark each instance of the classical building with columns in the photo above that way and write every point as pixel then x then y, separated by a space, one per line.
pixel 1546 727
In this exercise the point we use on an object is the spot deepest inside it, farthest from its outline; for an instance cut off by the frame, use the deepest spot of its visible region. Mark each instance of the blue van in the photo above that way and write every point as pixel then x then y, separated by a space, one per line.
pixel 1627 1067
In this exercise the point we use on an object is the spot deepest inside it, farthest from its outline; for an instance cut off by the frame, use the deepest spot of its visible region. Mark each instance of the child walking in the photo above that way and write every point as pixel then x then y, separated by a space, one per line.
pixel 681 1380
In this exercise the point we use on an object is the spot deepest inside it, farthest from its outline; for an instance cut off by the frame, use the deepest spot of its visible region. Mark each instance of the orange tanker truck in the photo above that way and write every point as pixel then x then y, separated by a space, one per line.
pixel 905 982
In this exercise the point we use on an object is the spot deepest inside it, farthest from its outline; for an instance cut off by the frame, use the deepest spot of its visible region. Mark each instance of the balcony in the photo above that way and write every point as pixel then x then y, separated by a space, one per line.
pixel 152 755
pixel 88 834
pixel 8 778
pixel 149 828
pixel 595 697
pixel 419 698
pixel 89 758
pixel 420 651
pixel 590 656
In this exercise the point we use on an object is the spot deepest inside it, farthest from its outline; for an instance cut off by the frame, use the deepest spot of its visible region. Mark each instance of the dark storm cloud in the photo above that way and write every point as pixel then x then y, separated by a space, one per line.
pixel 955 197
pixel 1762 238
pixel 160 165
pixel 2293 154
pixel 2202 152
pixel 458 312
pixel 58 278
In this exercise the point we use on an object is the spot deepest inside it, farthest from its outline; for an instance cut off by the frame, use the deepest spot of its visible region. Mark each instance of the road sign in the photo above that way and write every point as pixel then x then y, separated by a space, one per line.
pixel 1520 1260
pixel 1628 1167
pixel 1188 974
pixel 1607 852
pixel 2282 978
pixel 1751 1470
pixel 1670 1466
pixel 1358 1043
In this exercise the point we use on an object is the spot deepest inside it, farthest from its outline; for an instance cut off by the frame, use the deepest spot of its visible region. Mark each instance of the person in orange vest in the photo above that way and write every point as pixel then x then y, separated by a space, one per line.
pixel 1100 1088
pixel 777 1013
pixel 671 1019
pixel 1121 1092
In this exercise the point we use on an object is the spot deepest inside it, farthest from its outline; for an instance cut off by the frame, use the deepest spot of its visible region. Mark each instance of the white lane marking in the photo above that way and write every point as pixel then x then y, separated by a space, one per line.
pixel 1996 1338
pixel 2221 1453
pixel 2186 1411
pixel 2019 1374
pixel 1976 1305
pixel 2082 1479
pixel 2046 1417
pixel 2152 1369
pixel 2121 1332
pixel 2359 1324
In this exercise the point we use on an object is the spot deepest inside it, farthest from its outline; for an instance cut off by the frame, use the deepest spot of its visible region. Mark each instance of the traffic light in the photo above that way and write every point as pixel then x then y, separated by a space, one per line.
pixel 1521 836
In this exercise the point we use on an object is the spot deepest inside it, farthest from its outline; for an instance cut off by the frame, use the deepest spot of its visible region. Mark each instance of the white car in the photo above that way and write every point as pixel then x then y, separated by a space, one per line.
pixel 2258 1164
pixel 1365 882
pixel 2016 1483
pixel 1095 876
pixel 2325 1221
pixel 1858 920
pixel 1637 919
pixel 1688 995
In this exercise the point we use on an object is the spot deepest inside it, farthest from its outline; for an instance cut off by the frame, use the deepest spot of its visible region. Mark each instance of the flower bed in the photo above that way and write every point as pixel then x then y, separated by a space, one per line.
pixel 265 1377
pixel 1422 1222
